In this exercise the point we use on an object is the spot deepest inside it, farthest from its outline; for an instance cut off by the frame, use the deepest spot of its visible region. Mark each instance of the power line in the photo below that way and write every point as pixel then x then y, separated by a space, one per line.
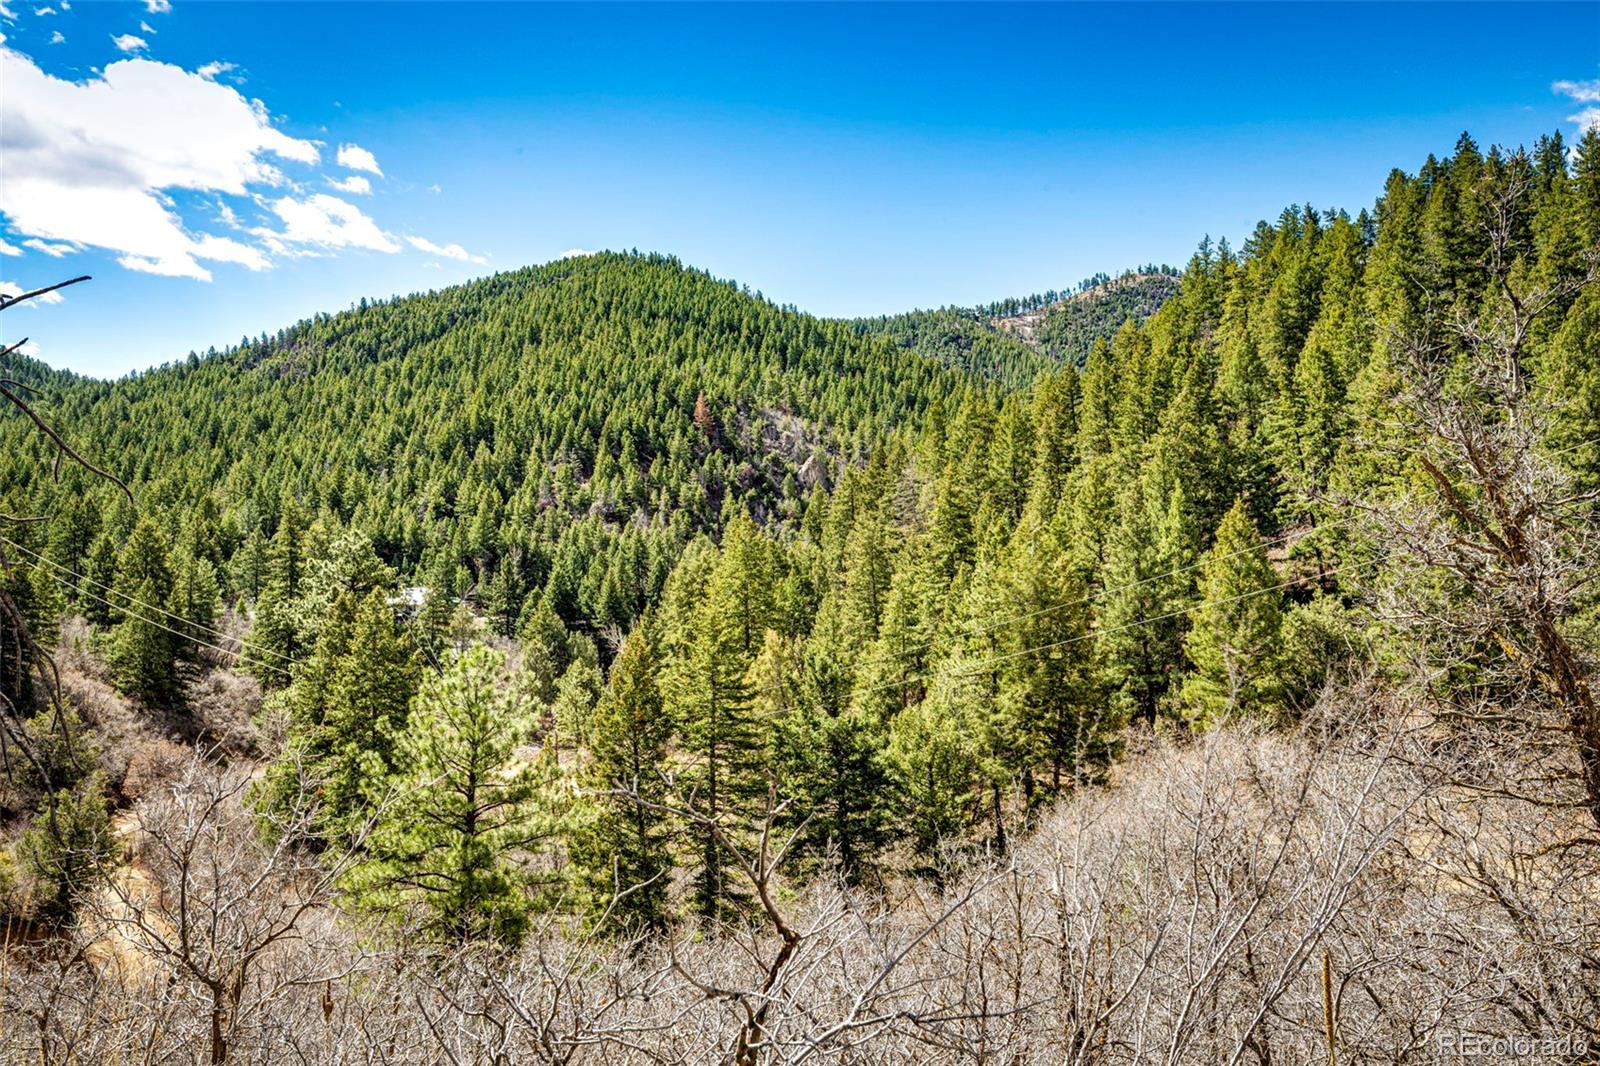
pixel 210 630
pixel 238 654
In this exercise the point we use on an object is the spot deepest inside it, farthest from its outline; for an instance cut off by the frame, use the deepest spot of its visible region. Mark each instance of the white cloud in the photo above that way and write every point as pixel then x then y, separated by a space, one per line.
pixel 158 7
pixel 88 162
pixel 355 184
pixel 330 222
pixel 29 349
pixel 210 70
pixel 11 288
pixel 144 27
pixel 355 157
pixel 7 14
pixel 129 43
pixel 577 253
pixel 7 248
pixel 1583 92
pixel 43 11
pixel 449 251
pixel 435 189
pixel 57 38
pixel 54 251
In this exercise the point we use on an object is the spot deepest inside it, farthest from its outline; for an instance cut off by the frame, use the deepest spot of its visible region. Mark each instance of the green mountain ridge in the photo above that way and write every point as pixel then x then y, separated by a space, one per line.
pixel 1014 341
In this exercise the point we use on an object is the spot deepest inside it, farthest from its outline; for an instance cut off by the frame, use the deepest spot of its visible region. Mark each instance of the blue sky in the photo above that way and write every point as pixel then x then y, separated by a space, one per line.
pixel 847 159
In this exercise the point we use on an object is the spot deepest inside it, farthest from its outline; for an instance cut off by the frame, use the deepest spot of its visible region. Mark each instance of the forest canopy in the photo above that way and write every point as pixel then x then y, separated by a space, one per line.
pixel 606 603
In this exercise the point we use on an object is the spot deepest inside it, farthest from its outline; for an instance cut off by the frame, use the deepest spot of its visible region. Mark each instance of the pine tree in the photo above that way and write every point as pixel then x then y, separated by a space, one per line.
pixel 99 606
pixel 467 847
pixel 828 760
pixel 276 626
pixel 1048 688
pixel 546 650
pixel 1234 641
pixel 576 696
pixel 624 850
pixel 1148 583
pixel 143 647
pixel 195 599
pixel 932 759
pixel 710 700
pixel 248 567
pixel 368 703
pixel 67 847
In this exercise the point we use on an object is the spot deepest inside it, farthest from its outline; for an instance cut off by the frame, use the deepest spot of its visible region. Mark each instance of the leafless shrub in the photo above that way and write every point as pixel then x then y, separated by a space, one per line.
pixel 223 705
pixel 154 765
pixel 1182 914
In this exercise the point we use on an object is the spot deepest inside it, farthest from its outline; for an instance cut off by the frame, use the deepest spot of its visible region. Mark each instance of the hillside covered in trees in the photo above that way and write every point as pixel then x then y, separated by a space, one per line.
pixel 626 668
pixel 1014 341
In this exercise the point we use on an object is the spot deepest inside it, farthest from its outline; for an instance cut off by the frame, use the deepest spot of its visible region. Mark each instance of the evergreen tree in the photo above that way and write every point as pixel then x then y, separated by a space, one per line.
pixel 143 647
pixel 1048 688
pixel 368 702
pixel 708 697
pixel 276 626
pixel 1235 638
pixel 932 759
pixel 67 847
pixel 99 605
pixel 828 760
pixel 576 695
pixel 624 850
pixel 1148 583
pixel 468 847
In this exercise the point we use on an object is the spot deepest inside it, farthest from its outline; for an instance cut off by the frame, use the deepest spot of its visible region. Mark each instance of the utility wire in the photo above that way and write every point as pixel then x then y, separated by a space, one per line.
pixel 209 630
pixel 238 654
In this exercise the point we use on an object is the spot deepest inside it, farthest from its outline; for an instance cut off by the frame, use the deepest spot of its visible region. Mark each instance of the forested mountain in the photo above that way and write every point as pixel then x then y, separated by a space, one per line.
pixel 595 409
pixel 711 599
pixel 1067 330
pixel 1014 341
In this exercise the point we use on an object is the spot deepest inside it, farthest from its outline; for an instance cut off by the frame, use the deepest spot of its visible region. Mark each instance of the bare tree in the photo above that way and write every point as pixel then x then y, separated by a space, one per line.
pixel 1490 563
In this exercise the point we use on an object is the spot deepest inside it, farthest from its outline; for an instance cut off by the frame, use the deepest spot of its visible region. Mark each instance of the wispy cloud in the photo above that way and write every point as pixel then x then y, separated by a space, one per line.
pixel 55 251
pixel 355 184
pixel 330 222
pixel 449 251
pixel 127 42
pixel 158 7
pixel 209 71
pixel 1584 92
pixel 1581 92
pixel 355 157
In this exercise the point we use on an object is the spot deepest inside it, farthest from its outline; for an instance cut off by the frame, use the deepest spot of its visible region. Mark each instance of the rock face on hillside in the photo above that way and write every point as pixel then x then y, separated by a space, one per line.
pixel 1014 345
pixel 1067 329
